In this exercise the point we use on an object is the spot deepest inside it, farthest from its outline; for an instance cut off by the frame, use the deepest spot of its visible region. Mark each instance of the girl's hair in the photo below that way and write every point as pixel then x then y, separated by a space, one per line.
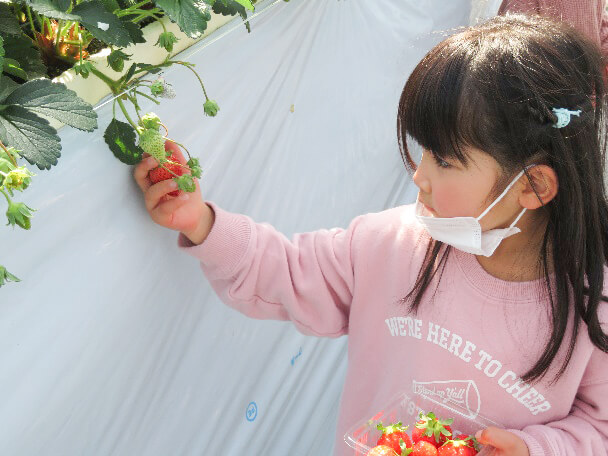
pixel 492 87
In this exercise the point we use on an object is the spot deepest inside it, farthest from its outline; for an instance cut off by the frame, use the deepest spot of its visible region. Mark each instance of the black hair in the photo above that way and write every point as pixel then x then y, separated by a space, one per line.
pixel 492 87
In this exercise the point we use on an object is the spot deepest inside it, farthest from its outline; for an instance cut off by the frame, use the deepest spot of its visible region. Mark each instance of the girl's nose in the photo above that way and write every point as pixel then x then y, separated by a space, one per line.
pixel 421 180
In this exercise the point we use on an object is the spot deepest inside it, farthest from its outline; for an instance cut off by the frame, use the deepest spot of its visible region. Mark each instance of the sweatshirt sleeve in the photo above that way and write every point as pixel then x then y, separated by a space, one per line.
pixel 584 432
pixel 256 270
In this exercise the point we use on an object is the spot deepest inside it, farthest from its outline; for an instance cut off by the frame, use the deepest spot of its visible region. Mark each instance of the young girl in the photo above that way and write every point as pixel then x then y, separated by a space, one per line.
pixel 493 279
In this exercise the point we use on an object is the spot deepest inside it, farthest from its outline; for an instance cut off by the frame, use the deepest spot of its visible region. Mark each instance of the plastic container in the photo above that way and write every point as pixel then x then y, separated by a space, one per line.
pixel 406 407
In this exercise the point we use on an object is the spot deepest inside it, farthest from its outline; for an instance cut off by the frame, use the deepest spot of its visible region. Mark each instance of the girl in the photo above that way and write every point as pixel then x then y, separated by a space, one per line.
pixel 493 279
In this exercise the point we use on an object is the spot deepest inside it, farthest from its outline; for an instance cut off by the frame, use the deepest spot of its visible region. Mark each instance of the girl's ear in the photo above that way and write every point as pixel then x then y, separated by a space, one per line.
pixel 542 184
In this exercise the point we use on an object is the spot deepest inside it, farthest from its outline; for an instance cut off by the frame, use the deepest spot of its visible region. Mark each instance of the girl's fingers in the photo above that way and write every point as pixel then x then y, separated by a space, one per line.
pixel 503 440
pixel 168 207
pixel 156 192
pixel 171 146
pixel 141 172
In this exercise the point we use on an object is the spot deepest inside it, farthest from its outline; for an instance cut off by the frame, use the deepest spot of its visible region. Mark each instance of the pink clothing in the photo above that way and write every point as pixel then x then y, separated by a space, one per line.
pixel 477 329
pixel 589 16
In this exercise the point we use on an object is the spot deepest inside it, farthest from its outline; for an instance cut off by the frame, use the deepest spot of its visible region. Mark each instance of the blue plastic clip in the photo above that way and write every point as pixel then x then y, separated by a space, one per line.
pixel 563 116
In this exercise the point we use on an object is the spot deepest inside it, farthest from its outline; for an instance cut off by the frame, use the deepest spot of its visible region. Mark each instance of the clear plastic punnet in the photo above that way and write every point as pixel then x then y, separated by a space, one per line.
pixel 406 407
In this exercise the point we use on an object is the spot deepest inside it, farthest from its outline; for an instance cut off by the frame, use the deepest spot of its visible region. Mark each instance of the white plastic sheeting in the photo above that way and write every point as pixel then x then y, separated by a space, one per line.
pixel 114 343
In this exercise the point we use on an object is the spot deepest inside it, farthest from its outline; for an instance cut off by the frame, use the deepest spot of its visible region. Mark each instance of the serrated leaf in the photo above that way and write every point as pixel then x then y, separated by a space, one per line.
pixel 246 3
pixel 229 8
pixel 11 66
pixel 32 135
pixel 54 99
pixel 111 5
pixel 52 9
pixel 1 54
pixel 190 15
pixel 27 54
pixel 8 22
pixel 120 138
pixel 7 86
pixel 134 31
pixel 102 24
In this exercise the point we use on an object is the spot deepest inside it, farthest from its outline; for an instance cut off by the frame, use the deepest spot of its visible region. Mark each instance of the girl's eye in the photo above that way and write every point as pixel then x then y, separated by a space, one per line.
pixel 441 163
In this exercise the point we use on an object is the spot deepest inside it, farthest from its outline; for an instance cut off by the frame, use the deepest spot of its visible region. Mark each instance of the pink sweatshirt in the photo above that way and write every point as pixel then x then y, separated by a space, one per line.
pixel 589 16
pixel 479 330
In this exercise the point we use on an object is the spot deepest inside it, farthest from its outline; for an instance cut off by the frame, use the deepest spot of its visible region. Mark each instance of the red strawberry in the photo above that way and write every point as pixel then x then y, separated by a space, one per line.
pixel 392 434
pixel 422 448
pixel 432 430
pixel 160 174
pixel 382 450
pixel 458 447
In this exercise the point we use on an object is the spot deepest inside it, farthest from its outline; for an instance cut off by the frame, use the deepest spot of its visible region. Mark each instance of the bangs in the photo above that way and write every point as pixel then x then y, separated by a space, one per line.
pixel 440 106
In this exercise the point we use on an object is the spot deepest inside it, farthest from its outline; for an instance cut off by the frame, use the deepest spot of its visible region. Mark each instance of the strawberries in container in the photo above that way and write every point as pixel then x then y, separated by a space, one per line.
pixel 418 425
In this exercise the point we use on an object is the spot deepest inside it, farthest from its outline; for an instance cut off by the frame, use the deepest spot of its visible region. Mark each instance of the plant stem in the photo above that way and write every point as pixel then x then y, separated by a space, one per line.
pixel 109 81
pixel 180 145
pixel 31 21
pixel 124 111
pixel 189 66
pixel 147 96
pixel 5 195
pixel 58 35
pixel 8 153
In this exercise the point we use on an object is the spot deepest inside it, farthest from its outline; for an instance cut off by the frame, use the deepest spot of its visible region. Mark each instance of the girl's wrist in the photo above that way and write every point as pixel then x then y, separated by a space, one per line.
pixel 203 228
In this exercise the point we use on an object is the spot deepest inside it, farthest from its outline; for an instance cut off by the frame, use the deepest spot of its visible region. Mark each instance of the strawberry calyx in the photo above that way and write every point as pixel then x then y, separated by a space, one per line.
pixel 466 440
pixel 405 451
pixel 395 427
pixel 433 426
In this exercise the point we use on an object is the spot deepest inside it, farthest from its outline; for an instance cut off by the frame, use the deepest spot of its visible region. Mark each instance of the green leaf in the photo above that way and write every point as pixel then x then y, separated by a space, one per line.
pixel 8 22
pixel 229 8
pixel 129 74
pixel 190 15
pixel 23 50
pixel 1 54
pixel 134 31
pixel 32 135
pixel 102 24
pixel 246 3
pixel 111 5
pixel 7 86
pixel 11 66
pixel 53 99
pixel 52 9
pixel 6 276
pixel 120 138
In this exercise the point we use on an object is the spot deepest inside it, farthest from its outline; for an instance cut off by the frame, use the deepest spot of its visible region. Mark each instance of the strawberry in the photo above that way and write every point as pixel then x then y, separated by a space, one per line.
pixel 153 143
pixel 392 434
pixel 432 430
pixel 160 174
pixel 458 447
pixel 421 448
pixel 382 450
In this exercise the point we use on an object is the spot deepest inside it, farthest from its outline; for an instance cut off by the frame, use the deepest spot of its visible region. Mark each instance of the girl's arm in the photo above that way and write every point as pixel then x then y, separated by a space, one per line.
pixel 259 272
pixel 584 432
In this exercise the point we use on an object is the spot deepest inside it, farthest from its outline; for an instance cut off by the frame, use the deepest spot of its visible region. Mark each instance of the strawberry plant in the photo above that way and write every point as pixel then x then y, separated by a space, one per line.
pixel 38 35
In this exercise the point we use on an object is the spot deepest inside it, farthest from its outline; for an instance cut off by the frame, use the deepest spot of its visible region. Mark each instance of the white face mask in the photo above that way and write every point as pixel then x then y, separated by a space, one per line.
pixel 464 233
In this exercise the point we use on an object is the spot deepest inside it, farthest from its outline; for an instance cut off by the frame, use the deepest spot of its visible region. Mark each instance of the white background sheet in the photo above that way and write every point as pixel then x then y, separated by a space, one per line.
pixel 114 343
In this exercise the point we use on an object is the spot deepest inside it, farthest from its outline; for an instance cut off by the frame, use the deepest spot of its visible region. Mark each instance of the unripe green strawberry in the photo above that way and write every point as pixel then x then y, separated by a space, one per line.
pixel 153 143
pixel 19 214
pixel 211 108
pixel 160 174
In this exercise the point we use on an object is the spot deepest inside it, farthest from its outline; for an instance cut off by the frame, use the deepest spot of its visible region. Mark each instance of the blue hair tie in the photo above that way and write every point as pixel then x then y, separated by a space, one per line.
pixel 563 116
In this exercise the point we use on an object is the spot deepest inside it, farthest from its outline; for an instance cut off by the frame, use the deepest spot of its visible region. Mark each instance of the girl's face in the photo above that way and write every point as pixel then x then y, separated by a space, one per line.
pixel 449 189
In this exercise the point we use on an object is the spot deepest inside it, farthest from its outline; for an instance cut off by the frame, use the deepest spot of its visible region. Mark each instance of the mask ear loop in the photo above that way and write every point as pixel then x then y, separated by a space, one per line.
pixel 521 173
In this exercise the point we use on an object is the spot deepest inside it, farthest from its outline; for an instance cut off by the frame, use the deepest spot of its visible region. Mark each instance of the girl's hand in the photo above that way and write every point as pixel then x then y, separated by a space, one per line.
pixel 186 212
pixel 501 443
